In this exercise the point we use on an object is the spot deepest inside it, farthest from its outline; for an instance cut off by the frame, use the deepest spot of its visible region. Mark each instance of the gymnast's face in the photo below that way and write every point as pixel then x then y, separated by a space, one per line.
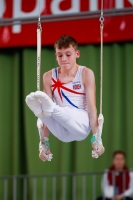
pixel 66 57
pixel 119 161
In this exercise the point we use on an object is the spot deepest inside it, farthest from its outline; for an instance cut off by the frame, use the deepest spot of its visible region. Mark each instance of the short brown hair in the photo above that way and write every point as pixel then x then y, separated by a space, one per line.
pixel 119 152
pixel 65 41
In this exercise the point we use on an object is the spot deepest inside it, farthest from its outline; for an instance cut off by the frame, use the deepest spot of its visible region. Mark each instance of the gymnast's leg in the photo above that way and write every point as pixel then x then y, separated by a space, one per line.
pixel 71 123
pixel 67 124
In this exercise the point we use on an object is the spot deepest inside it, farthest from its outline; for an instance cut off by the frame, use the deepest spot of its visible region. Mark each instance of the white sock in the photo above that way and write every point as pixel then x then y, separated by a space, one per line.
pixel 47 103
pixel 34 104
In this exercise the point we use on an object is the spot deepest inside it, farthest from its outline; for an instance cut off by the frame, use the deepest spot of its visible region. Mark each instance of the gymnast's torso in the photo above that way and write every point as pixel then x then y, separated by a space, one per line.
pixel 70 94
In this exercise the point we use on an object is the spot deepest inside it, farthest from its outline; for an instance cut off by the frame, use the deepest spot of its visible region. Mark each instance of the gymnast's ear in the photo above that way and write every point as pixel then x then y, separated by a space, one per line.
pixel 77 54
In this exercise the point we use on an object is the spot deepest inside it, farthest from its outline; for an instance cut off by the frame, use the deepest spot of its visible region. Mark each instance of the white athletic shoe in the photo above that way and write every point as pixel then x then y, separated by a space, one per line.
pixel 34 104
pixel 47 103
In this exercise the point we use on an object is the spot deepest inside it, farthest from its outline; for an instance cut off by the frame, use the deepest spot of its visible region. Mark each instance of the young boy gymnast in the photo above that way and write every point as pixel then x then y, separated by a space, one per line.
pixel 67 107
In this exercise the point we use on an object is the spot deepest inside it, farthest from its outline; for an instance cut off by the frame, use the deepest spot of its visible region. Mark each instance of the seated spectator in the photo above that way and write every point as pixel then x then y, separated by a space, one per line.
pixel 117 181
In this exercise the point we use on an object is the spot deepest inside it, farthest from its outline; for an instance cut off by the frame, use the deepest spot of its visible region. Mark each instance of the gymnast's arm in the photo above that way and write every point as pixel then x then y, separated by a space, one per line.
pixel 47 83
pixel 88 80
pixel 47 90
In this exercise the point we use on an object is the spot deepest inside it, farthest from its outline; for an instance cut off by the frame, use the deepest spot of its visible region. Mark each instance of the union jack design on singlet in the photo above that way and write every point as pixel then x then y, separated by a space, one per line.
pixel 57 84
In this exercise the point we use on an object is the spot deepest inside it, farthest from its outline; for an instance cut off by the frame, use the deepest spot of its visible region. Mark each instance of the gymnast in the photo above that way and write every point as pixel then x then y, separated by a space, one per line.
pixel 67 106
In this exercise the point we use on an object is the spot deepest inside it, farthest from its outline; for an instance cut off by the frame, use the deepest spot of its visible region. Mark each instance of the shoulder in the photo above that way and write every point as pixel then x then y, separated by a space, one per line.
pixel 105 172
pixel 87 73
pixel 88 76
pixel 47 77
pixel 47 74
pixel 87 70
pixel 131 173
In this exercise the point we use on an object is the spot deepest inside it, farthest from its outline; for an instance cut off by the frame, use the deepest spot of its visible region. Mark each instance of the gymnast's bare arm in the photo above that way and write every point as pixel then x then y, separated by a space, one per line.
pixel 47 89
pixel 88 80
pixel 47 83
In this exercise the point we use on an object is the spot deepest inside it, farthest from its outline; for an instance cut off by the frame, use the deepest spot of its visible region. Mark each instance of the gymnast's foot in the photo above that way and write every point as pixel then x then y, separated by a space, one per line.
pixel 34 104
pixel 47 103
pixel 44 148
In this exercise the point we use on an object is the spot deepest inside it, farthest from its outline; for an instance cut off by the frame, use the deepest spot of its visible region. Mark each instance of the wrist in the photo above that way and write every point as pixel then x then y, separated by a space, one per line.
pixel 94 138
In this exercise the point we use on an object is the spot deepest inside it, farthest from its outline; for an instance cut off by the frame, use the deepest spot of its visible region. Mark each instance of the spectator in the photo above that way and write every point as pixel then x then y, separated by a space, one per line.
pixel 117 181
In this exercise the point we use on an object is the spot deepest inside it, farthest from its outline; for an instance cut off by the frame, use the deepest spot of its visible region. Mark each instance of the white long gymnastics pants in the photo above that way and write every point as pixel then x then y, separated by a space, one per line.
pixel 68 124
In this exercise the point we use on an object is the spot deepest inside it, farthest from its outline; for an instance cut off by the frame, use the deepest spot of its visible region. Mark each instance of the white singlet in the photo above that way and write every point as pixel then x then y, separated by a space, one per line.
pixel 69 120
pixel 70 94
